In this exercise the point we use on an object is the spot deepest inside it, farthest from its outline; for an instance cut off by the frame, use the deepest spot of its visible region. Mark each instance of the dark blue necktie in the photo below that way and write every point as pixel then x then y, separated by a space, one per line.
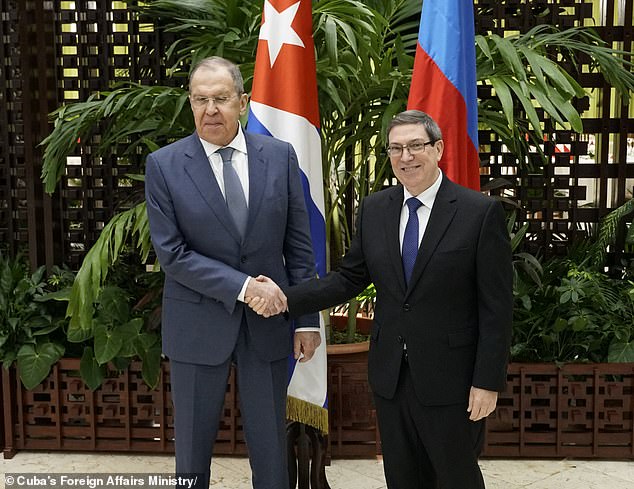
pixel 234 195
pixel 410 238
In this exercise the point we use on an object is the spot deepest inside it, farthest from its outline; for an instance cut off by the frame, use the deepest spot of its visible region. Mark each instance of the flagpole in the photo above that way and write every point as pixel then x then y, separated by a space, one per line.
pixel 284 105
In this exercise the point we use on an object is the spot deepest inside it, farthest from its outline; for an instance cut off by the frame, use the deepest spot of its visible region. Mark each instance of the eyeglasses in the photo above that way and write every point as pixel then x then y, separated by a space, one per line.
pixel 414 147
pixel 199 101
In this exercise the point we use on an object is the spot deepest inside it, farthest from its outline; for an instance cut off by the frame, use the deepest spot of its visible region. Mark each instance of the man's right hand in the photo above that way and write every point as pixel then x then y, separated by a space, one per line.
pixel 265 297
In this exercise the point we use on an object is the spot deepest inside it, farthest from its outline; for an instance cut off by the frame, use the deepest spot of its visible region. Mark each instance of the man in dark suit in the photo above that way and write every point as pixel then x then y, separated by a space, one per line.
pixel 440 258
pixel 225 206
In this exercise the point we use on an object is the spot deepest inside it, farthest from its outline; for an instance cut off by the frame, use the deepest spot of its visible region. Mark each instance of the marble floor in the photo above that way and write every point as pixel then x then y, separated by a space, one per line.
pixel 234 473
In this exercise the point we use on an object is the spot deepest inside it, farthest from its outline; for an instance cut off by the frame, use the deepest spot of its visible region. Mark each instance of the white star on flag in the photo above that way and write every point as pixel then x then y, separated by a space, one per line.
pixel 277 29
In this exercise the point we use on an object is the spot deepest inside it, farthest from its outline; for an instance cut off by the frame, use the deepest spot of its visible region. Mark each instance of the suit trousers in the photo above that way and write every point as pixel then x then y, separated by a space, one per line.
pixel 427 447
pixel 198 393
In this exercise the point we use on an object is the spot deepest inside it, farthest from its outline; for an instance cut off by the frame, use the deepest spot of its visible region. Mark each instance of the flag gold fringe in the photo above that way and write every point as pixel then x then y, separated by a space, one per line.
pixel 307 413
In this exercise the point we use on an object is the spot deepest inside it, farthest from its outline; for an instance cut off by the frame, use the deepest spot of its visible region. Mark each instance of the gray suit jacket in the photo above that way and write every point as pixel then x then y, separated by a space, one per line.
pixel 455 315
pixel 205 261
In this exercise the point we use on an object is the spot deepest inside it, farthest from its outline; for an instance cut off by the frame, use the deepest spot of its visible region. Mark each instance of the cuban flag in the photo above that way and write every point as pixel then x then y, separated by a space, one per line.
pixel 284 105
pixel 444 84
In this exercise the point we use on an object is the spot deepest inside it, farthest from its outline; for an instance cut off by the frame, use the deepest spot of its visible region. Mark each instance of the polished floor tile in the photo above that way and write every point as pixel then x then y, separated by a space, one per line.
pixel 234 472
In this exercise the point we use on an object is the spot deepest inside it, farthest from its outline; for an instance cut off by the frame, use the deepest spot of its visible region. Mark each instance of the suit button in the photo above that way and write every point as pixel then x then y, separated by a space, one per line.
pixel 243 259
pixel 400 339
pixel 406 307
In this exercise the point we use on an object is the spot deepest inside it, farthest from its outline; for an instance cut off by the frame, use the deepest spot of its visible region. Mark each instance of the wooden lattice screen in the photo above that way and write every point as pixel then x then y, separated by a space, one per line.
pixel 587 174
pixel 62 51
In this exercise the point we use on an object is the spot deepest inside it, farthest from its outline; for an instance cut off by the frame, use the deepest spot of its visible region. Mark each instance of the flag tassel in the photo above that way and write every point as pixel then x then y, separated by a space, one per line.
pixel 307 413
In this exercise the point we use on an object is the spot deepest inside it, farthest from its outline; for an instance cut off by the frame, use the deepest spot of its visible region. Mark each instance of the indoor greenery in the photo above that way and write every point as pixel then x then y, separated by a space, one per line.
pixel 31 327
pixel 575 308
pixel 34 329
pixel 578 314
pixel 364 60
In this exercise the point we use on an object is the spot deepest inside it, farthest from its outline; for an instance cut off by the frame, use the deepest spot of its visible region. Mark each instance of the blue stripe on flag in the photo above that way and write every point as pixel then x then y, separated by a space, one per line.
pixel 317 223
pixel 456 17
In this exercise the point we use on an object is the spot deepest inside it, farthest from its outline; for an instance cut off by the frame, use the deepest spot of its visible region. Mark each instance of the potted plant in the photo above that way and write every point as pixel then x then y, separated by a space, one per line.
pixel 571 376
pixel 59 393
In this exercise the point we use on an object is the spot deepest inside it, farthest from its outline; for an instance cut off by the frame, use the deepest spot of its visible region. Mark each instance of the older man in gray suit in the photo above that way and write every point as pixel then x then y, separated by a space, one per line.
pixel 225 207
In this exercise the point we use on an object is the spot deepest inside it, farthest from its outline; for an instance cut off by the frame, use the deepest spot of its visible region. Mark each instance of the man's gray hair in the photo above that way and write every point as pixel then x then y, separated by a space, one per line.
pixel 214 62
pixel 416 117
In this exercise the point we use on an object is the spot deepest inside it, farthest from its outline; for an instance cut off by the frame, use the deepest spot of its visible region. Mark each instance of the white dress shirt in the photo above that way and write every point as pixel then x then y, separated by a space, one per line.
pixel 427 198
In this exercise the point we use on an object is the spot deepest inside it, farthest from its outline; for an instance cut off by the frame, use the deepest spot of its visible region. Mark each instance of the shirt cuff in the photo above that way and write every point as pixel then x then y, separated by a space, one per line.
pixel 243 291
pixel 307 329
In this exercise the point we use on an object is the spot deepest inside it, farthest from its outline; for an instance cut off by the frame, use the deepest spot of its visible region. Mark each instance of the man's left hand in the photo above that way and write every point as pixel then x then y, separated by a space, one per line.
pixel 481 403
pixel 305 342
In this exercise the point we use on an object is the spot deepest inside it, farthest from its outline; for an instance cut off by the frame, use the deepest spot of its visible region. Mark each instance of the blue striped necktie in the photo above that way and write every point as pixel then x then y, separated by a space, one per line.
pixel 410 238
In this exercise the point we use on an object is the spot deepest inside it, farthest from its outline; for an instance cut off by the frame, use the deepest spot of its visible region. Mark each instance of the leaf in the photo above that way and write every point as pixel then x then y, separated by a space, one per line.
pixel 509 56
pixel 579 323
pixel 560 325
pixel 483 45
pixel 527 104
pixel 107 343
pixel 504 94
pixel 35 362
pixel 129 332
pixel 621 352
pixel 77 334
pixel 91 372
pixel 46 330
pixel 565 297
pixel 59 295
pixel 568 111
pixel 151 368
pixel 121 363
pixel 113 306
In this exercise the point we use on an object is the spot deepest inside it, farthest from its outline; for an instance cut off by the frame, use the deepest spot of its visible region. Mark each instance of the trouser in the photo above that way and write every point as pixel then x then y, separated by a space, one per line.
pixel 428 447
pixel 198 393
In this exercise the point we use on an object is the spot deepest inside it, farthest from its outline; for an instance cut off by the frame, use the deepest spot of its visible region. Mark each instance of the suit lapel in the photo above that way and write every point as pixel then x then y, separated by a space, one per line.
pixel 257 179
pixel 198 168
pixel 441 216
pixel 393 218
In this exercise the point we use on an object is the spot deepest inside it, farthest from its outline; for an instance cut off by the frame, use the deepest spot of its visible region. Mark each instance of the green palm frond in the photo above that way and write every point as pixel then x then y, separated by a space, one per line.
pixel 126 229
pixel 128 117
pixel 608 230
pixel 528 71
pixel 229 29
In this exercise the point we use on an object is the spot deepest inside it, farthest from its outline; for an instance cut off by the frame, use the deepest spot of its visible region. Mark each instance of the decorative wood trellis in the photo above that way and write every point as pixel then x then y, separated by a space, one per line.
pixel 62 51
pixel 573 410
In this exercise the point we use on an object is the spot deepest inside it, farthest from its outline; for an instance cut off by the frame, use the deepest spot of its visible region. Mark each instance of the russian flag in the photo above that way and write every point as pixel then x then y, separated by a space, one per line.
pixel 284 105
pixel 444 84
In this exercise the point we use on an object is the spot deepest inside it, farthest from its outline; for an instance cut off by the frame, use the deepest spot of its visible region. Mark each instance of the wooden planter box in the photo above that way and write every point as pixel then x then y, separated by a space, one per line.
pixel 576 410
pixel 122 415
pixel 353 430
pixel 573 410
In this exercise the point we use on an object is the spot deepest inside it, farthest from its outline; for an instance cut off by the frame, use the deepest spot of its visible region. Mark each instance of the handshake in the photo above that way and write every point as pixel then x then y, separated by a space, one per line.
pixel 265 297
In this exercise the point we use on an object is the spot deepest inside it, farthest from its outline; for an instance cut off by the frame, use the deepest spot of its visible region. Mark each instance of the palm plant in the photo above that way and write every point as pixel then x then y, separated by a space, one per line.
pixel 364 60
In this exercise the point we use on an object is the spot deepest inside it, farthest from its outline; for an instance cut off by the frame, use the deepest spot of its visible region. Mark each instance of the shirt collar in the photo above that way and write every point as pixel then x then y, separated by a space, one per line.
pixel 238 143
pixel 427 196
